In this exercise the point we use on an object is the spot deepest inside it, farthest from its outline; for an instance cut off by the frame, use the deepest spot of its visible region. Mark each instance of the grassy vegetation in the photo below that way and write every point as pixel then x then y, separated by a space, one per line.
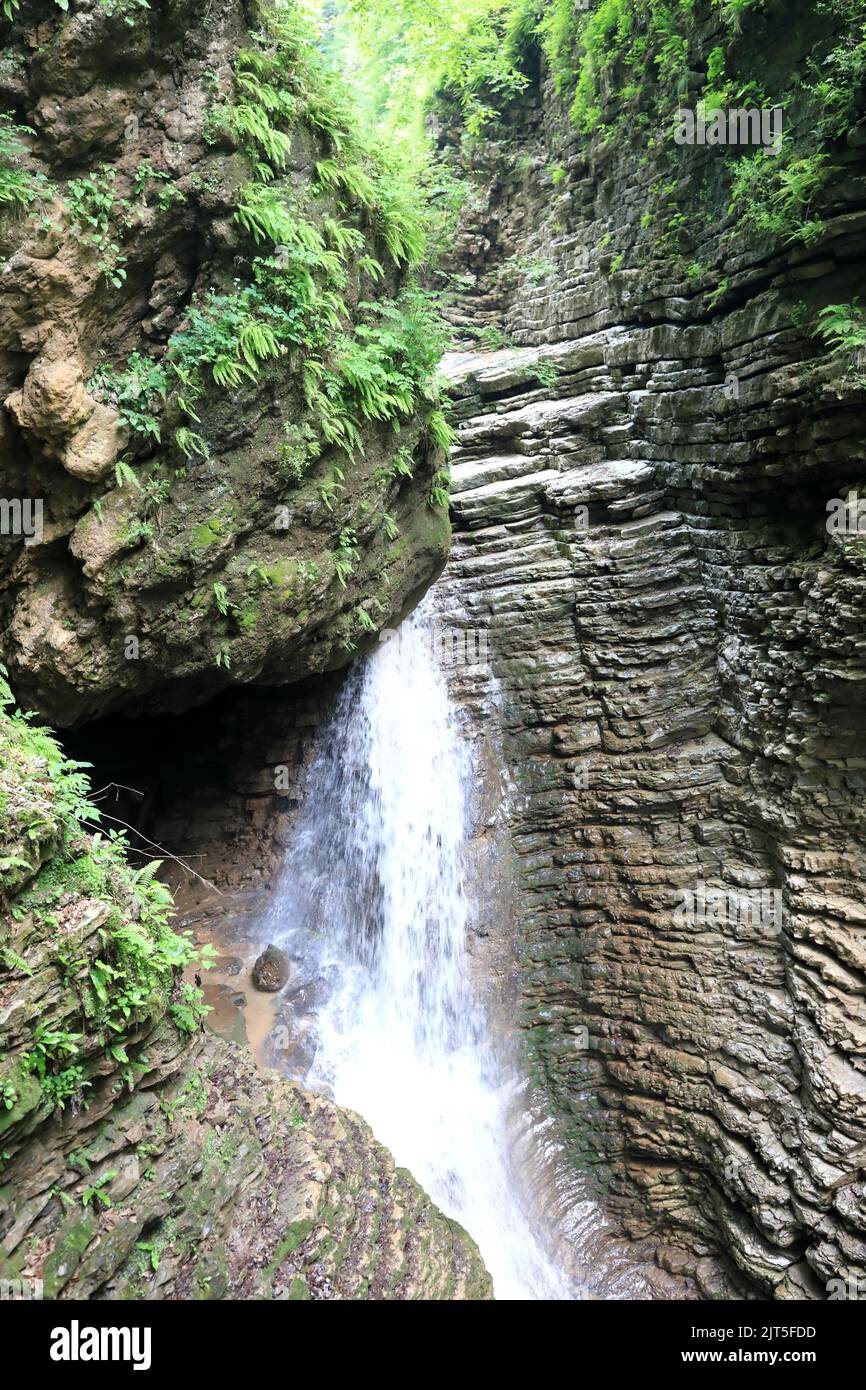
pixel 843 328
pixel 122 9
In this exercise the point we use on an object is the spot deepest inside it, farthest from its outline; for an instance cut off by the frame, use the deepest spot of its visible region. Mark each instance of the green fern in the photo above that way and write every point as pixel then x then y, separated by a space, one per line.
pixel 18 187
pixel 190 443
pixel 124 475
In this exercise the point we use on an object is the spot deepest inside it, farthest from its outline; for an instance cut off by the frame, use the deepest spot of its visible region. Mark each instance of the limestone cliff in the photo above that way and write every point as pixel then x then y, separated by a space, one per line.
pixel 219 446
pixel 651 429
pixel 216 379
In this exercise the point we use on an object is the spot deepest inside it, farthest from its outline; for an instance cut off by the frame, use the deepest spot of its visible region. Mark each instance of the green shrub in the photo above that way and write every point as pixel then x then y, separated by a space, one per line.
pixel 309 253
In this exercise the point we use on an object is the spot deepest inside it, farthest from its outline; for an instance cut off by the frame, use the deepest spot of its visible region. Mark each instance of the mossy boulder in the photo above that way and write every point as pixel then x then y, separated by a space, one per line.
pixel 217 377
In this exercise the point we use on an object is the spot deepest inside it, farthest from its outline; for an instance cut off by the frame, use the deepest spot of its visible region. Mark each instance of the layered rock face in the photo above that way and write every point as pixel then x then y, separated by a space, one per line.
pixel 640 498
pixel 183 274
pixel 200 262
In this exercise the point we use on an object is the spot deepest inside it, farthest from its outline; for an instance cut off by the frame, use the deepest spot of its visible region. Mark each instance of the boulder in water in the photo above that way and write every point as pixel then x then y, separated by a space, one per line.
pixel 271 970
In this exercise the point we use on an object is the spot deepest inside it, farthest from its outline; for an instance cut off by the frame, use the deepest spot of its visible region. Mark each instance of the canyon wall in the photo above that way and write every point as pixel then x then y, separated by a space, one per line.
pixel 204 325
pixel 201 260
pixel 650 432
pixel 649 438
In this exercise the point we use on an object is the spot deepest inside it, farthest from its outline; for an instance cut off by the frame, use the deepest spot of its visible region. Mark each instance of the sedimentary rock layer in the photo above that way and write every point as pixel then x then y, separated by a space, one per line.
pixel 640 498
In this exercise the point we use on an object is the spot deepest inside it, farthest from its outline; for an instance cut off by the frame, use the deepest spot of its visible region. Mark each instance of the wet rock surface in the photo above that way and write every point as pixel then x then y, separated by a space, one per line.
pixel 178 1168
pixel 640 497
pixel 223 1181
pixel 271 970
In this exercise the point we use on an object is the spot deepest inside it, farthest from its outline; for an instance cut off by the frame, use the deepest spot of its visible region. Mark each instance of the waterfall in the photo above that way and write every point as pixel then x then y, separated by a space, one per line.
pixel 374 908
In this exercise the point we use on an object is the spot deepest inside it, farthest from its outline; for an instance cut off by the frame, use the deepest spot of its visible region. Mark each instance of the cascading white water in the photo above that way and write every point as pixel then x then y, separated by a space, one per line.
pixel 373 908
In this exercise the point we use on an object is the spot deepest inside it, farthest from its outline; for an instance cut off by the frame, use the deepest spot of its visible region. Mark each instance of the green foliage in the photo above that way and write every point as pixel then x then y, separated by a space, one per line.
pixel 229 338
pixel 189 1011
pixel 270 83
pixel 439 432
pixel 625 64
pixel 491 336
pixel 310 256
pixel 582 47
pixel 287 83
pixel 547 374
pixel 191 445
pixel 220 595
pixel 40 790
pixel 344 556
pixel 18 187
pixel 534 270
pixel 733 11
pixel 382 371
pixel 299 449
pixel 124 475
pixel 127 10
pixel 843 327
pixel 138 531
pixel 144 174
pixel 48 1058
pixel 481 73
pixel 95 1194
pixel 93 207
pixel 401 465
pixel 774 195
pixel 718 91
pixel 464 48
pixel 140 957
pixel 837 80
pixel 137 391
pixel 440 489
pixel 10 7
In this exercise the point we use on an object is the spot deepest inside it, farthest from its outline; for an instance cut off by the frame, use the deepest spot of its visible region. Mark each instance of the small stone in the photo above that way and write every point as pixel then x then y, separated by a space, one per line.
pixel 271 970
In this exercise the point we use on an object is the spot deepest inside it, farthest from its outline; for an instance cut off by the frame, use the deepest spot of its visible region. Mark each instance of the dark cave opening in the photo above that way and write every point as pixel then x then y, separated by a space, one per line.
pixel 210 788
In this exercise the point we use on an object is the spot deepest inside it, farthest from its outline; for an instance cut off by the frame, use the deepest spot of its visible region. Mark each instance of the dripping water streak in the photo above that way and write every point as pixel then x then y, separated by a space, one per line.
pixel 373 907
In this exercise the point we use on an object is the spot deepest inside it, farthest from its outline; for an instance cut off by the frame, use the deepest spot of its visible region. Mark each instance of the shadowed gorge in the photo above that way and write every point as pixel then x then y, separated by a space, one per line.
pixel 431 446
